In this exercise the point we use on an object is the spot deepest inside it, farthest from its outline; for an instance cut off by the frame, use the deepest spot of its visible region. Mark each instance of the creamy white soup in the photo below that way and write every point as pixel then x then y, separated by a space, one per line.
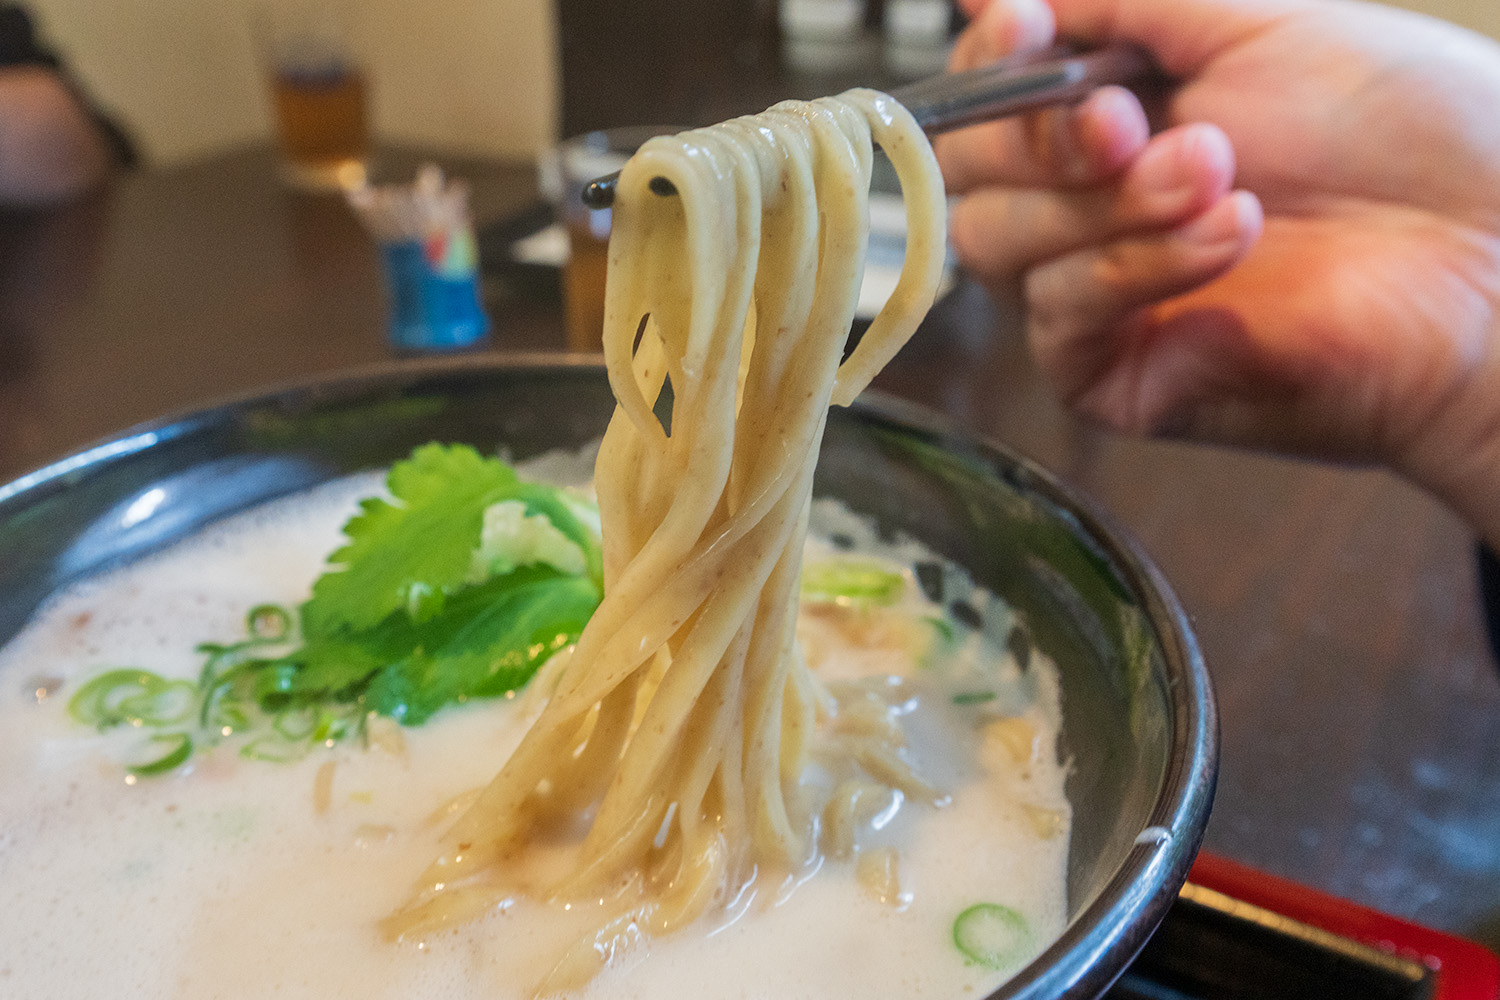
pixel 234 877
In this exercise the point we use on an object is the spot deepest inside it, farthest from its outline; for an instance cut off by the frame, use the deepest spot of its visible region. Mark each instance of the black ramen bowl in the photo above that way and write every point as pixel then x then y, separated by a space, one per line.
pixel 1139 721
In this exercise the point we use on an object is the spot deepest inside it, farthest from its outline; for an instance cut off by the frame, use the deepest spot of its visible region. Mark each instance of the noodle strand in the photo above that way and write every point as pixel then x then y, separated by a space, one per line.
pixel 679 731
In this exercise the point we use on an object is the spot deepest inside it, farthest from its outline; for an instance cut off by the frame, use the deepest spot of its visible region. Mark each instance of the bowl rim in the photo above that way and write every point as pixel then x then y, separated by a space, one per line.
pixel 1103 936
pixel 1108 932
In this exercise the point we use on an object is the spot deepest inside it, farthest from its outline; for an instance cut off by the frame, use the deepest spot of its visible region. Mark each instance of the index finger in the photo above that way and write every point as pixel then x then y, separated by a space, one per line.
pixel 1000 28
pixel 1080 145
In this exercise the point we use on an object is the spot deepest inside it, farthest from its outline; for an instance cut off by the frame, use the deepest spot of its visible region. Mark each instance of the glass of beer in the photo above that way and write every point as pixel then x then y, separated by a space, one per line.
pixel 318 94
pixel 580 160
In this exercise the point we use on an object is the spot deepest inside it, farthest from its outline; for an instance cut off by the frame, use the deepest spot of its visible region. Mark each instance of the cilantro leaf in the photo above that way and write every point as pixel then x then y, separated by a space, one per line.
pixel 489 639
pixel 408 553
pixel 337 667
pixel 459 584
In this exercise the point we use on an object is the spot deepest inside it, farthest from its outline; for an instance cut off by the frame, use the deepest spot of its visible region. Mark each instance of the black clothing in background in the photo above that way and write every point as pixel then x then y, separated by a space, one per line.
pixel 19 47
pixel 1489 592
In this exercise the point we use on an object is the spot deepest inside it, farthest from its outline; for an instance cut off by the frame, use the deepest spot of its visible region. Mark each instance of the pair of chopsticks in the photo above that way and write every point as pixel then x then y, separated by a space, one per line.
pixel 1008 87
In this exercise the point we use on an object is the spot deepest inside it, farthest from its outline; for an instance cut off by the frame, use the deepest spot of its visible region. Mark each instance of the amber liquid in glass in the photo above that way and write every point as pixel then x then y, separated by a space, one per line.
pixel 321 127
pixel 583 289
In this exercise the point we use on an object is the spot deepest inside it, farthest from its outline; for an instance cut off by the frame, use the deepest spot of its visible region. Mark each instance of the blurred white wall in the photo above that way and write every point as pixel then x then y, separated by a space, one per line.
pixel 460 76
pixel 1481 15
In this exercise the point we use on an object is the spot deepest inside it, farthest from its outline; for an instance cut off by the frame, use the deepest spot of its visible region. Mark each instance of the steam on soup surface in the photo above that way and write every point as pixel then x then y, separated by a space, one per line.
pixel 233 877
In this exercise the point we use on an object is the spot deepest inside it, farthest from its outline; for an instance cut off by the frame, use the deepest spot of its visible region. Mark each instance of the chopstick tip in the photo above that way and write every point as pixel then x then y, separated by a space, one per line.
pixel 600 192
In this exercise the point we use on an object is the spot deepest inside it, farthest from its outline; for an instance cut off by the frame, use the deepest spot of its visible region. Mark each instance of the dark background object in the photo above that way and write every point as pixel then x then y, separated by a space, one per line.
pixel 653 61
pixel 662 60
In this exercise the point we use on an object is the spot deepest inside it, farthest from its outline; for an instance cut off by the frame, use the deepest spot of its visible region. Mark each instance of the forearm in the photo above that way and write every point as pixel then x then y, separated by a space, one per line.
pixel 50 149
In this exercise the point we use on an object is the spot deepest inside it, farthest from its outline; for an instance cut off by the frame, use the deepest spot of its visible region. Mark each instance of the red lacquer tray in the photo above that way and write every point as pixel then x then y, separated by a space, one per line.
pixel 1235 933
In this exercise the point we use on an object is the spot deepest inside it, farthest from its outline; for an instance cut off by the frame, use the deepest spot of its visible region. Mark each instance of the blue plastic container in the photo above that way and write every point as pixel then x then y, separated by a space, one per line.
pixel 434 296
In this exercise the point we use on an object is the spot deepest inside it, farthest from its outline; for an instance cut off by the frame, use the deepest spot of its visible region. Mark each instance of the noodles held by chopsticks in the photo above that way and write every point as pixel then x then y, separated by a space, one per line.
pixel 669 758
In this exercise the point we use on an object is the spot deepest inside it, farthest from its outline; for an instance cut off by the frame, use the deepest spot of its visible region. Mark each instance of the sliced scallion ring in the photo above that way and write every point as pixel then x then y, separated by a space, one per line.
pixel 991 935
pixel 943 627
pixel 331 726
pixel 276 749
pixel 296 723
pixel 169 749
pixel 129 695
pixel 268 623
pixel 852 582
pixel 231 717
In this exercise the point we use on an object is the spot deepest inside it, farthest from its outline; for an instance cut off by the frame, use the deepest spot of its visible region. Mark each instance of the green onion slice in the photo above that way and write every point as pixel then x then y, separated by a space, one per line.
pixel 991 935
pixel 857 582
pixel 943 627
pixel 276 749
pixel 223 693
pixel 296 723
pixel 332 726
pixel 268 623
pixel 128 695
pixel 178 747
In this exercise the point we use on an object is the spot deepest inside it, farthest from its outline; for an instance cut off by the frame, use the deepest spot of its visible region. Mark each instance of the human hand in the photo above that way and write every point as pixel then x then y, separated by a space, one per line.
pixel 1343 300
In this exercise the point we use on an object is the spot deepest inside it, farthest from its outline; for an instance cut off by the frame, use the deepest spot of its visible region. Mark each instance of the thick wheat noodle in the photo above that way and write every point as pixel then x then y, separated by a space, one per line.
pixel 680 726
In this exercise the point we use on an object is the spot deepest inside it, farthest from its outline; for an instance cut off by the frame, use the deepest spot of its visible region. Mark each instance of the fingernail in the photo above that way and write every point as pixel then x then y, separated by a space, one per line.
pixel 1225 223
pixel 1018 25
pixel 1160 170
pixel 1119 129
pixel 1174 163
pixel 1106 132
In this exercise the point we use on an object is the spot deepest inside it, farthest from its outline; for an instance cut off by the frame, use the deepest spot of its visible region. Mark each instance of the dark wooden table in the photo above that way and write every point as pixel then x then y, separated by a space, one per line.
pixel 1336 607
